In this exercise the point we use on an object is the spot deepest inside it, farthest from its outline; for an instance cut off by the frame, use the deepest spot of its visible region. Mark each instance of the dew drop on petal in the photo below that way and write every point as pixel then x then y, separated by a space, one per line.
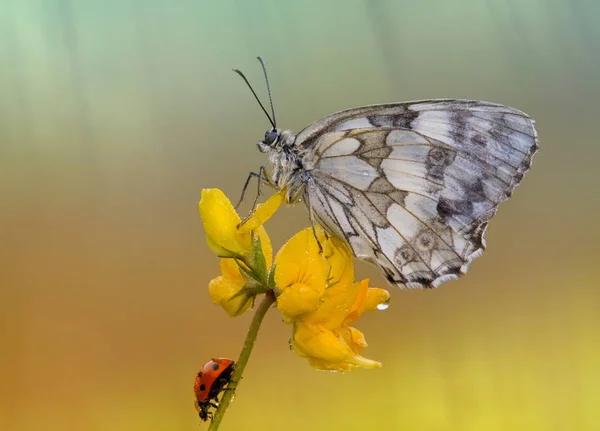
pixel 383 305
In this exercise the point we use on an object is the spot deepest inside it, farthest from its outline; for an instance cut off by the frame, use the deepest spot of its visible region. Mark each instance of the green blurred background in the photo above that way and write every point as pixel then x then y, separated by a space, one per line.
pixel 115 114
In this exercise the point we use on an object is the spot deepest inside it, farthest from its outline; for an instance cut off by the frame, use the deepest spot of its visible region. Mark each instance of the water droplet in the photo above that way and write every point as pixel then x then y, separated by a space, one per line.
pixel 365 173
pixel 383 306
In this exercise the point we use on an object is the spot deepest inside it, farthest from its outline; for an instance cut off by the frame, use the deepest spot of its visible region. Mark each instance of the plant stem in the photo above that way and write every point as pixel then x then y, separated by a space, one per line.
pixel 259 315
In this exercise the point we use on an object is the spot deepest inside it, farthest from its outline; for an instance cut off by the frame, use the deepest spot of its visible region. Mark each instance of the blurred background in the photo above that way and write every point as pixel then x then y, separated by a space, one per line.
pixel 115 114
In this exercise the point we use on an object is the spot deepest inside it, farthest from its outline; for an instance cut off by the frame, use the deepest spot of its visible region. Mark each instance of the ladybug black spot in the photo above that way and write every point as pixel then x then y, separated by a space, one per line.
pixel 202 387
pixel 215 367
pixel 199 373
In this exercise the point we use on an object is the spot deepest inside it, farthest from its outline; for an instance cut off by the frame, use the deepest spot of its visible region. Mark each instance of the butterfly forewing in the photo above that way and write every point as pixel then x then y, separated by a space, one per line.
pixel 411 186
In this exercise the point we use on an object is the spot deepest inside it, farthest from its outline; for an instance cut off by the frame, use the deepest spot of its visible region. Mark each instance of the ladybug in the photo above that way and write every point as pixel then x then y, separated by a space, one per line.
pixel 210 382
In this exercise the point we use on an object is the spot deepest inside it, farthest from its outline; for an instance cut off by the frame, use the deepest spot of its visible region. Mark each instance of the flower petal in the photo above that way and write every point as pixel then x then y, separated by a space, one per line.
pixel 327 350
pixel 220 224
pixel 317 341
pixel 229 295
pixel 361 361
pixel 357 307
pixel 299 261
pixel 340 260
pixel 231 271
pixel 336 303
pixel 319 364
pixel 375 298
pixel 356 339
pixel 298 299
pixel 262 213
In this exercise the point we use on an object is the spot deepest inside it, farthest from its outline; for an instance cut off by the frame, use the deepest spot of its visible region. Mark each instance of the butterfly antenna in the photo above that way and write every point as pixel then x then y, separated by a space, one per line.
pixel 262 63
pixel 256 97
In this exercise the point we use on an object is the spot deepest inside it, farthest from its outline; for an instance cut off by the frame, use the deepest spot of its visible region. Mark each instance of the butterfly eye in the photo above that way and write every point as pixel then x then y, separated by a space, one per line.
pixel 271 137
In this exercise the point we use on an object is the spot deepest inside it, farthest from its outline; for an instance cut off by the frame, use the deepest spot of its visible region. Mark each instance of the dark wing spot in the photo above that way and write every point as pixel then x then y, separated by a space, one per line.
pixel 425 281
pixel 425 241
pixel 444 209
pixel 436 156
pixel 448 208
pixel 405 119
pixel 398 196
pixel 438 159
pixel 389 275
pixel 478 140
pixel 215 366
pixel 459 125
pixel 370 141
pixel 203 387
pixel 380 153
pixel 402 120
pixel 404 255
pixel 475 191
pixel 381 120
pixel 381 185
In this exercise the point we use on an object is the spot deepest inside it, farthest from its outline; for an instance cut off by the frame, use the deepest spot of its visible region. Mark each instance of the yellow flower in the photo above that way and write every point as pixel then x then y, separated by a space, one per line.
pixel 319 296
pixel 224 234
pixel 235 289
pixel 313 281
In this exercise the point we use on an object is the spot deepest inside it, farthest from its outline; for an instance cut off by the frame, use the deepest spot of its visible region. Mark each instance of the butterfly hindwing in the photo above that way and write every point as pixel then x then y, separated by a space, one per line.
pixel 412 186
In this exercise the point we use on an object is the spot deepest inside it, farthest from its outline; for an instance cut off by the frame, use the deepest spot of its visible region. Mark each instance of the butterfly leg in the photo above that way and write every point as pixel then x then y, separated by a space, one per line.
pixel 262 178
pixel 313 223
pixel 246 184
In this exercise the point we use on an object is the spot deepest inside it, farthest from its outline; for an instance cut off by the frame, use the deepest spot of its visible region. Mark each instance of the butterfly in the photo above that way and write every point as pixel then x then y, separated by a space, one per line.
pixel 409 186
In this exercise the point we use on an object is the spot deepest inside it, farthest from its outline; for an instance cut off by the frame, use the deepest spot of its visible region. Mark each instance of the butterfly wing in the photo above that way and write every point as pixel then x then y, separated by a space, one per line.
pixel 411 186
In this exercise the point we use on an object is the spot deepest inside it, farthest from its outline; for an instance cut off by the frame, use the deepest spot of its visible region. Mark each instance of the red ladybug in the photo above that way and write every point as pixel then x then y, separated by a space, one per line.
pixel 210 382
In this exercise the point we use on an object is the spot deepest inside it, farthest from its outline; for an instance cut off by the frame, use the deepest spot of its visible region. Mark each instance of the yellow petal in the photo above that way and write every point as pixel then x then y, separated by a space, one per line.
pixel 220 224
pixel 231 271
pixel 357 307
pixel 262 213
pixel 340 260
pixel 376 297
pixel 299 261
pixel 361 361
pixel 298 299
pixel 336 303
pixel 356 339
pixel 318 342
pixel 226 293
pixel 327 350
pixel 319 364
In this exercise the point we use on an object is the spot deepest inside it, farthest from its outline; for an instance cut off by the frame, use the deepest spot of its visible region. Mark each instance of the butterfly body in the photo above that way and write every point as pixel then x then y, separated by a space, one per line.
pixel 410 186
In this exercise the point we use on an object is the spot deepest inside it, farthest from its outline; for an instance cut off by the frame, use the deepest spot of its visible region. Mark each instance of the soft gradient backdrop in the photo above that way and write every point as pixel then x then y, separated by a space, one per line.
pixel 115 114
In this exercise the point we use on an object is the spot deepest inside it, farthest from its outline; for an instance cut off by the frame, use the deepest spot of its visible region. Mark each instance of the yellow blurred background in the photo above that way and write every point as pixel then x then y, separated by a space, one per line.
pixel 115 114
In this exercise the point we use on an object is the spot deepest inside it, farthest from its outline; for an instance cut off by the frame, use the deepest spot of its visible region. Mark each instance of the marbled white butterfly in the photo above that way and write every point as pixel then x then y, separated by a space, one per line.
pixel 410 186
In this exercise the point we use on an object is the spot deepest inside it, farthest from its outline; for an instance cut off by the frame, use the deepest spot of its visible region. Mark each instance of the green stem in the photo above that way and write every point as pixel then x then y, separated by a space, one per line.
pixel 259 315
